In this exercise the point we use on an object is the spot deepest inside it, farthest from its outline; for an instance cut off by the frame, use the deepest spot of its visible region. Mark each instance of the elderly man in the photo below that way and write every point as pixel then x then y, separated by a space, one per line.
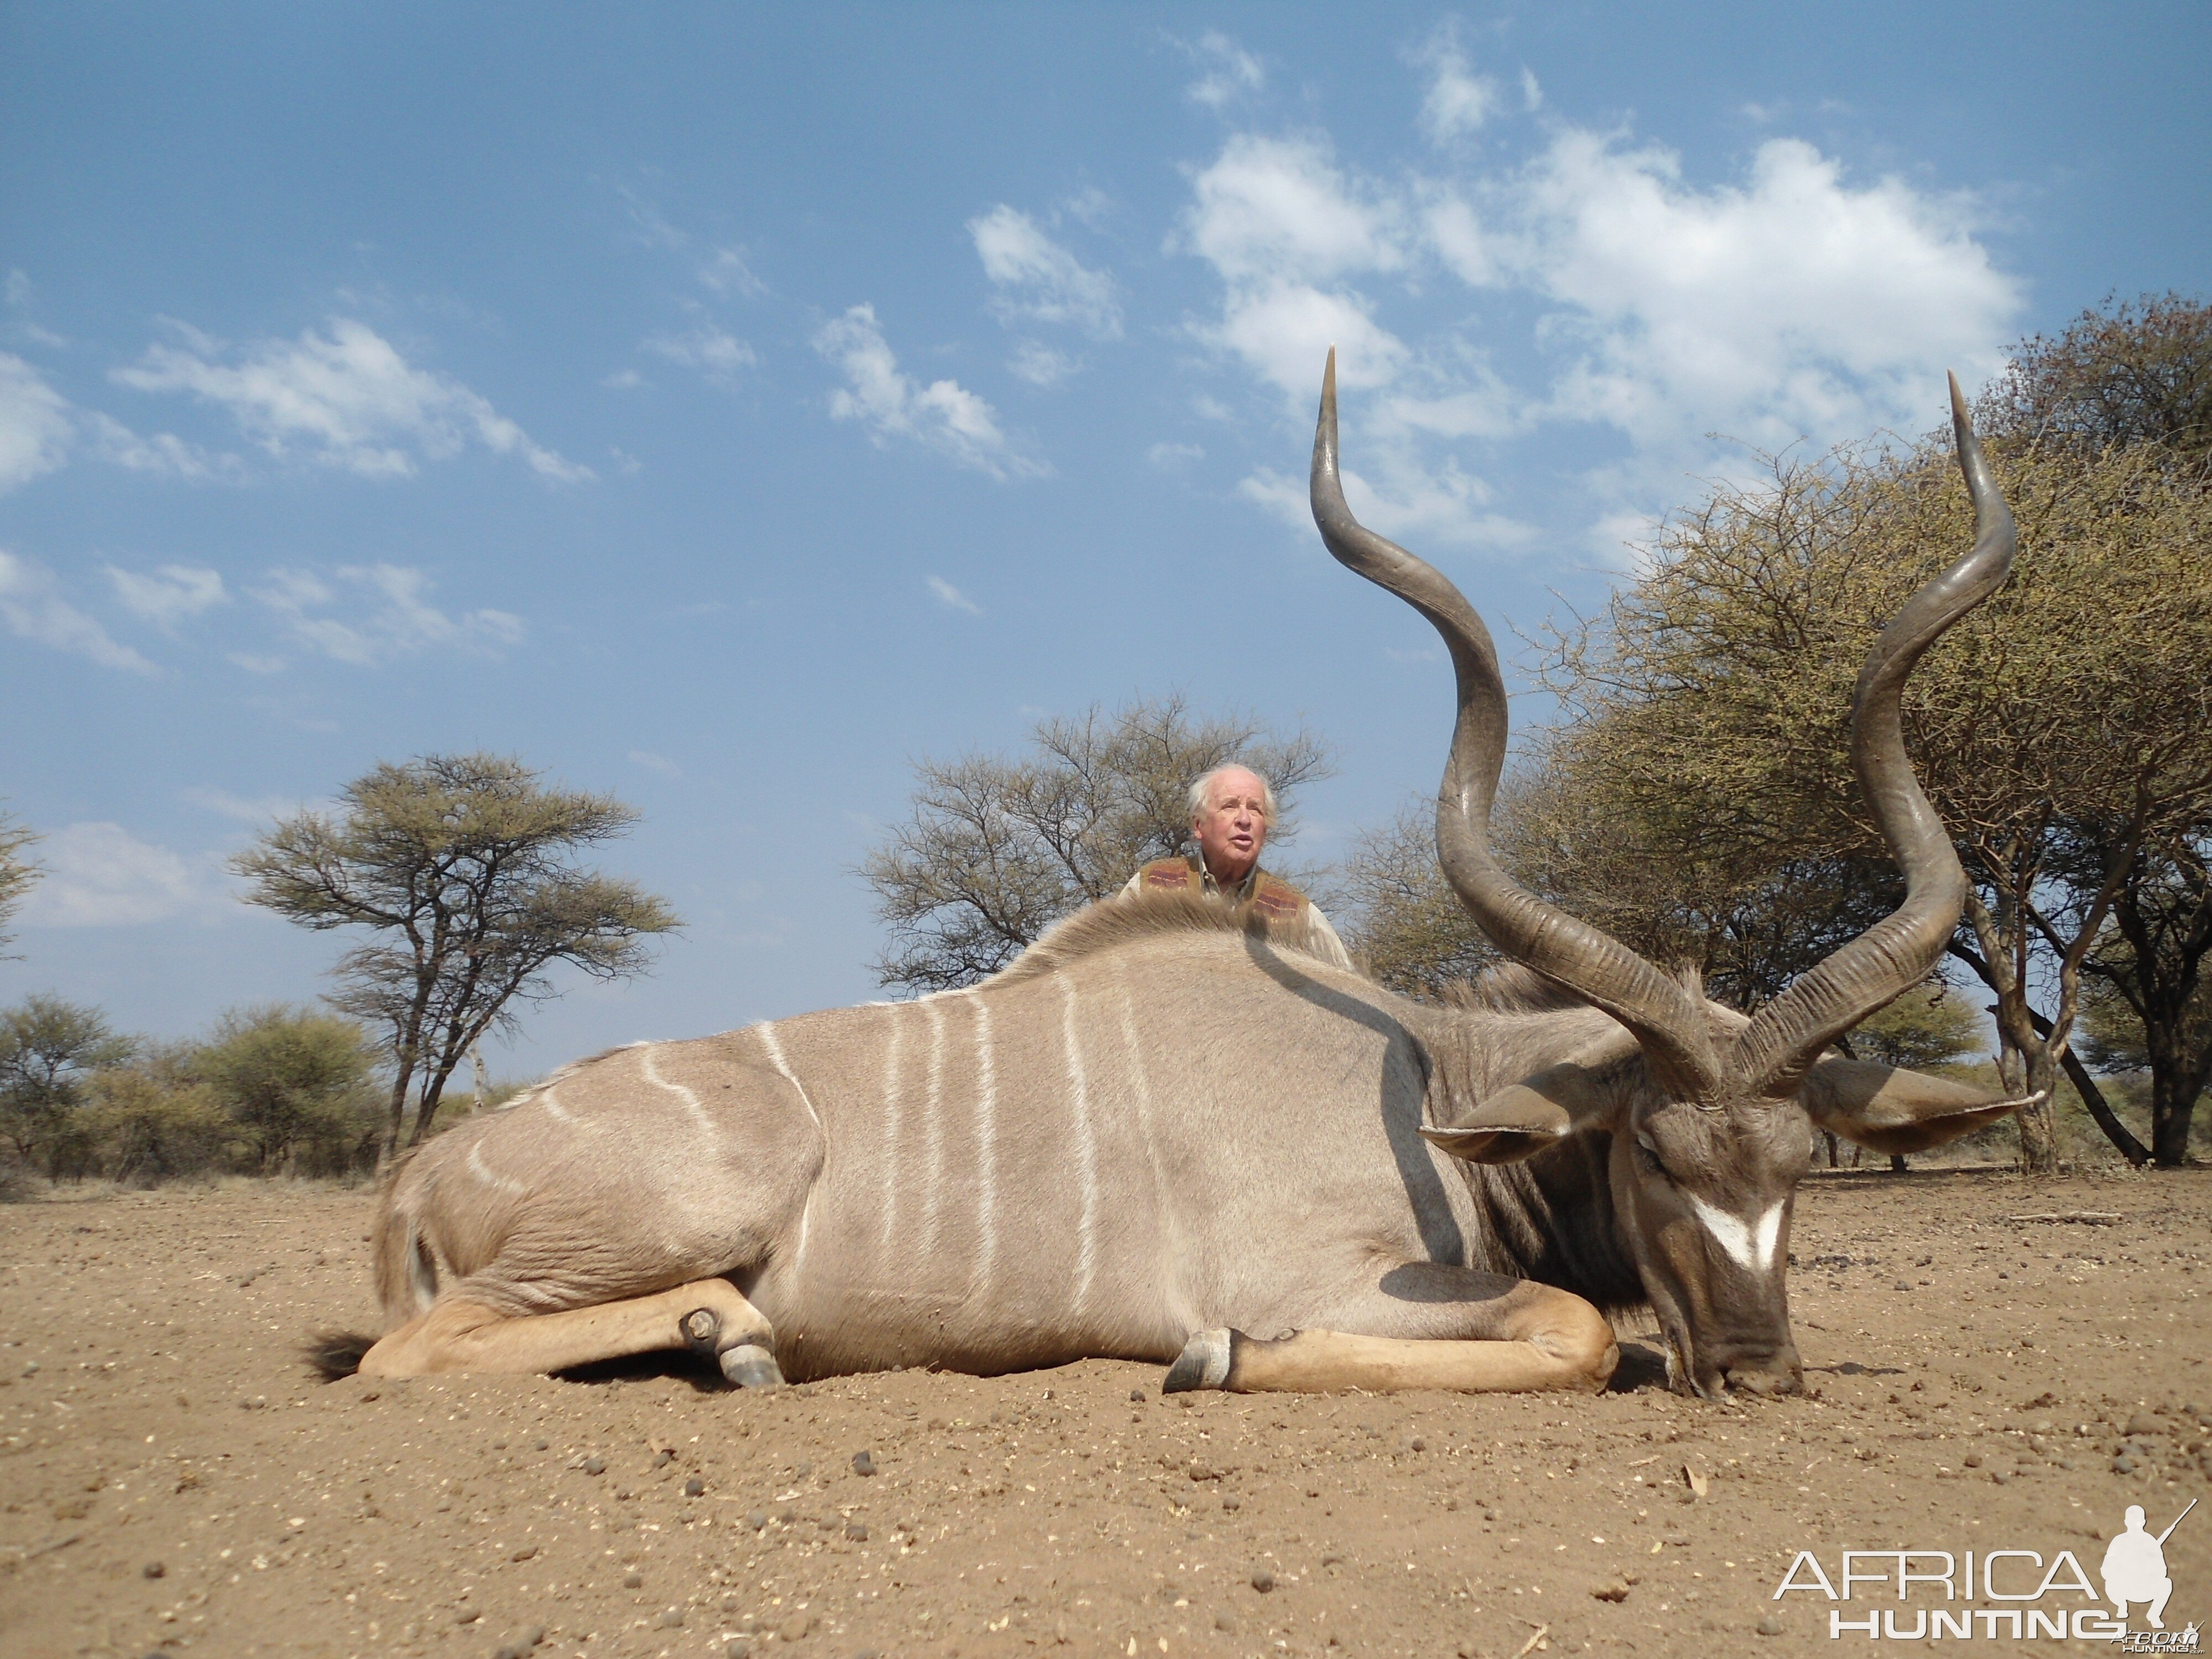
pixel 1231 808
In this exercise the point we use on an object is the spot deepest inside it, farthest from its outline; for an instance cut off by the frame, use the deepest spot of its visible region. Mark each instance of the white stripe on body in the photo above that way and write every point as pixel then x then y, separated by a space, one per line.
pixel 484 1173
pixel 1086 1159
pixel 986 1135
pixel 932 1193
pixel 554 1109
pixel 1749 1247
pixel 767 1030
pixel 1135 1052
pixel 894 1103
pixel 691 1101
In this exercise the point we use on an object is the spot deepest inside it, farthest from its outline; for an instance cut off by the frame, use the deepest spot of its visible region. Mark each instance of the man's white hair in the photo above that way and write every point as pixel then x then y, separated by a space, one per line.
pixel 1202 791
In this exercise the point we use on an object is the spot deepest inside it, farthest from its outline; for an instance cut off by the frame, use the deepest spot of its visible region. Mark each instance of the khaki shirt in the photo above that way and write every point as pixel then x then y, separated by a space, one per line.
pixel 1270 890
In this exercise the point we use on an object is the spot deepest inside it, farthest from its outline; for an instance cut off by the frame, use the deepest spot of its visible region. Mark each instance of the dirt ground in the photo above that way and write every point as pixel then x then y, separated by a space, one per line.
pixel 172 1481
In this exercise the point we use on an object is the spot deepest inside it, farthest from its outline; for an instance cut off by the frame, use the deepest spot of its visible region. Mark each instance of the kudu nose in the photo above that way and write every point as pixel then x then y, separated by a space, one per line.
pixel 1777 1371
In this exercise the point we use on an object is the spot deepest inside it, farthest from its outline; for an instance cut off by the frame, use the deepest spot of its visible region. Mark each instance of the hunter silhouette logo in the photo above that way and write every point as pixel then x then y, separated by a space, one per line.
pixel 2135 1567
pixel 1999 1594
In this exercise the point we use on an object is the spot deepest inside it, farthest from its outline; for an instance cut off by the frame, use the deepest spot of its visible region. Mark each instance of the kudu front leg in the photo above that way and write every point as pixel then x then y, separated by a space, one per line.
pixel 709 1316
pixel 1533 1339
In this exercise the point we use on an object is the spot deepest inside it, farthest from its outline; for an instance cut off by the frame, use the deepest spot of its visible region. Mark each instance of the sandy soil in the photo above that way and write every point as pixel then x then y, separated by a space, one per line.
pixel 170 1480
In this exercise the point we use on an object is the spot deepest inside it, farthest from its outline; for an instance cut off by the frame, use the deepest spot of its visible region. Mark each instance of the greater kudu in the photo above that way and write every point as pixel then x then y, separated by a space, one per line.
pixel 1170 1124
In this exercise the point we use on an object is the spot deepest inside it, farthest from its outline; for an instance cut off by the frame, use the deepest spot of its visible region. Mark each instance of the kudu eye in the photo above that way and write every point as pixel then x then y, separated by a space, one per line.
pixel 1648 1157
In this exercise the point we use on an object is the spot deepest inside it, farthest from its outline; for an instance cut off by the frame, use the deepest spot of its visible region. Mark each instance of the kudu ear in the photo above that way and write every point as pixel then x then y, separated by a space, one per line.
pixel 1523 1118
pixel 1885 1109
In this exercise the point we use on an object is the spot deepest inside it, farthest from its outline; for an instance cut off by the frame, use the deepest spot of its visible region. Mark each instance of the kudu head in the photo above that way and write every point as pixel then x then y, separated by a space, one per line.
pixel 1709 1132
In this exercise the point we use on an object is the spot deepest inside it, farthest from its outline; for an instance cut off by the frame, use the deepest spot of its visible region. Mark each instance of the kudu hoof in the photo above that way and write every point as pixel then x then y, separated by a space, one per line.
pixel 751 1366
pixel 1203 1363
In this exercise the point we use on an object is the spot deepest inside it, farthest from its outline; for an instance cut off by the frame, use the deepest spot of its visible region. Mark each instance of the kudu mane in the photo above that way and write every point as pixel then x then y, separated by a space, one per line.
pixel 1505 987
pixel 1127 920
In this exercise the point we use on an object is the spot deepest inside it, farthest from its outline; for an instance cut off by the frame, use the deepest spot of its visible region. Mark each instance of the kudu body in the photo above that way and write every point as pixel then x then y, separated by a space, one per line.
pixel 1168 1133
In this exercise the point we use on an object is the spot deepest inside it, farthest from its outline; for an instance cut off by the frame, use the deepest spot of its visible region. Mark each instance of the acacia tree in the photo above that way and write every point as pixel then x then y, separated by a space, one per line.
pixel 997 848
pixel 1404 922
pixel 288 1079
pixel 2120 374
pixel 2137 376
pixel 49 1051
pixel 17 872
pixel 1712 699
pixel 459 868
pixel 2155 1012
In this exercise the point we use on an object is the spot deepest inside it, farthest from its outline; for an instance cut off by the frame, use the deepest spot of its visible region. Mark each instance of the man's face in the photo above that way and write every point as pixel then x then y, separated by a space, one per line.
pixel 1233 828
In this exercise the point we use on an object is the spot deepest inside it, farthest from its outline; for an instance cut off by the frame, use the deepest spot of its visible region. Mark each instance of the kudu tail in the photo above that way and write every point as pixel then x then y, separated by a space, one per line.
pixel 406 1281
pixel 406 1271
pixel 335 1354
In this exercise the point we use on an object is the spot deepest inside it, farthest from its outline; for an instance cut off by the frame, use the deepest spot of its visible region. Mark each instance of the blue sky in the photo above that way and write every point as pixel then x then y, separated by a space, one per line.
pixel 727 406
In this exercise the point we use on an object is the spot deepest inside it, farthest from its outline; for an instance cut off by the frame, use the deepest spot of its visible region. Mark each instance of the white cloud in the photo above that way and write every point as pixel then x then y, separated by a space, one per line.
pixel 653 762
pixel 1227 71
pixel 1270 209
pixel 32 606
pixel 1284 226
pixel 389 615
pixel 891 403
pixel 1039 364
pixel 1791 302
pixel 1283 331
pixel 624 379
pixel 652 230
pixel 1794 303
pixel 18 294
pixel 346 399
pixel 715 352
pixel 170 595
pixel 727 273
pixel 257 811
pixel 1457 234
pixel 1038 280
pixel 724 270
pixel 1458 102
pixel 1087 206
pixel 38 428
pixel 35 424
pixel 163 452
pixel 1169 457
pixel 951 597
pixel 1403 499
pixel 99 875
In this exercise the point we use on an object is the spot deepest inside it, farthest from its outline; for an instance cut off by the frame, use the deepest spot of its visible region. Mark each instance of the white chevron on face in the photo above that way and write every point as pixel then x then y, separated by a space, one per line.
pixel 1750 1245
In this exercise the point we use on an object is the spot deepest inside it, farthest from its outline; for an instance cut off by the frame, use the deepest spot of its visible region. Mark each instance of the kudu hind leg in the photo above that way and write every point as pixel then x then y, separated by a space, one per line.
pixel 709 1316
pixel 1533 1339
